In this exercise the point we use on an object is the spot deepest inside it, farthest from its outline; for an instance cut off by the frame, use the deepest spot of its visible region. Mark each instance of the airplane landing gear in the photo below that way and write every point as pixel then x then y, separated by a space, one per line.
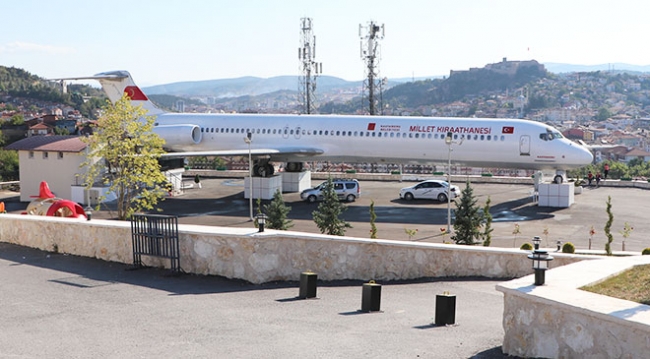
pixel 559 177
pixel 294 166
pixel 263 169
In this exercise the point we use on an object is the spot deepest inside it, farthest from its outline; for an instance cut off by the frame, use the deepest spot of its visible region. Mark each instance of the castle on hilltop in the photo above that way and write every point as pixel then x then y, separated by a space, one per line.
pixel 504 67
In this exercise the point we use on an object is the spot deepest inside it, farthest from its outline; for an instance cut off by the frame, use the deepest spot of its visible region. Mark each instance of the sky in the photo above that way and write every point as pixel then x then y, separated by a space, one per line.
pixel 167 41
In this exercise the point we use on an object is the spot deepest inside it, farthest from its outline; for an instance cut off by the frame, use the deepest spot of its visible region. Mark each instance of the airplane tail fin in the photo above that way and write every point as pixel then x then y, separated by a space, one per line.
pixel 115 83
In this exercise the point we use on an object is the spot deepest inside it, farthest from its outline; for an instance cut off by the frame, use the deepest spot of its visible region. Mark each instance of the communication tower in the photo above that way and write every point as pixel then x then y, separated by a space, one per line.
pixel 310 69
pixel 370 54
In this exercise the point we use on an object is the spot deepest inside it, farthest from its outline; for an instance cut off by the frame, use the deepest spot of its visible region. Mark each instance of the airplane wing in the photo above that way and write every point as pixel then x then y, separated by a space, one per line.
pixel 293 151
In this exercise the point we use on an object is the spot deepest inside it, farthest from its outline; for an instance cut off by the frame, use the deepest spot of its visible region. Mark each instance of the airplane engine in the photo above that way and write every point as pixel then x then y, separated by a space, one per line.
pixel 179 135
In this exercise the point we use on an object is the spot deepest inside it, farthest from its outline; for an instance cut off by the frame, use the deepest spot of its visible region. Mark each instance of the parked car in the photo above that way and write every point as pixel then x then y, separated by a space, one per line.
pixel 429 189
pixel 346 189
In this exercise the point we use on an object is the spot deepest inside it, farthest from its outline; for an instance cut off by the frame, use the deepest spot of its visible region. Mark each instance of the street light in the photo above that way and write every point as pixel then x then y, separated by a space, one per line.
pixel 540 264
pixel 449 142
pixel 536 242
pixel 261 221
pixel 248 139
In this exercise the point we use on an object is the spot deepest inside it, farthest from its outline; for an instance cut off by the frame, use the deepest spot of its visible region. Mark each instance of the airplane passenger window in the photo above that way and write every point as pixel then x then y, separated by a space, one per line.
pixel 392 134
pixel 303 132
pixel 373 134
pixel 201 129
pixel 343 133
pixel 429 136
pixel 455 136
pixel 417 135
pixel 503 138
pixel 475 137
pixel 338 133
pixel 291 132
pixel 349 133
pixel 326 133
pixel 482 137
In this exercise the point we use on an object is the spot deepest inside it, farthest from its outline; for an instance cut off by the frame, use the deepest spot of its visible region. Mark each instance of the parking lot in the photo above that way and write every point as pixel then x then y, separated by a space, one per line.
pixel 220 202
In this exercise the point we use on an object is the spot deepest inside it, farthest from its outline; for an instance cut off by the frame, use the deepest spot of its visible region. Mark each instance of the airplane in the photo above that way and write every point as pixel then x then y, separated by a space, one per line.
pixel 294 139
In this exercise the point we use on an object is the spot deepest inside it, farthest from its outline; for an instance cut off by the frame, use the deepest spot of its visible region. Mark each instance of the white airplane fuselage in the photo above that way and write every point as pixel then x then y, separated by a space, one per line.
pixel 505 143
pixel 477 142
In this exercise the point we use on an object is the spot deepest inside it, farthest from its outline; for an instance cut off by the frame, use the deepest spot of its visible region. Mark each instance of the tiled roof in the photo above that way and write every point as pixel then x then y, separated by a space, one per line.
pixel 49 143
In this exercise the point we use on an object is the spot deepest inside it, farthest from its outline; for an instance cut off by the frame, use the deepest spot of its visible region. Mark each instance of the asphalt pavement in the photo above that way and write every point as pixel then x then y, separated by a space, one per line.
pixel 61 306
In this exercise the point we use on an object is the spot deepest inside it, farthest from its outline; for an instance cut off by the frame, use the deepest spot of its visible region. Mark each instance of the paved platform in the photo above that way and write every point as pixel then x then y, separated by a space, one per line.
pixel 61 306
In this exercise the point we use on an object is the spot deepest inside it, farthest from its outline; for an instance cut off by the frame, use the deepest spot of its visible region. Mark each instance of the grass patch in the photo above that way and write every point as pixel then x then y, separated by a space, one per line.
pixel 632 285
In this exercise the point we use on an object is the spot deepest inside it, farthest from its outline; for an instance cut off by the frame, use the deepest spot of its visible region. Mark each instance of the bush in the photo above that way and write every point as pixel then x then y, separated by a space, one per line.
pixel 526 247
pixel 568 247
pixel 645 251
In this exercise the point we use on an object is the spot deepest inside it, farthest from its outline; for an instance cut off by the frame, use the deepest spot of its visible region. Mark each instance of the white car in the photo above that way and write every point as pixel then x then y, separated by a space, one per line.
pixel 429 189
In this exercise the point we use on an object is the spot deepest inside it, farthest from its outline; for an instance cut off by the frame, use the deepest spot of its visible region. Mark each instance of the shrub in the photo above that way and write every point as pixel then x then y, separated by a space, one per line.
pixel 526 247
pixel 568 247
pixel 645 251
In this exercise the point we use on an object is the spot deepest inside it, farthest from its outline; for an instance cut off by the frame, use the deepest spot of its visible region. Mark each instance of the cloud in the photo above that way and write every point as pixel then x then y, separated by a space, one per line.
pixel 18 47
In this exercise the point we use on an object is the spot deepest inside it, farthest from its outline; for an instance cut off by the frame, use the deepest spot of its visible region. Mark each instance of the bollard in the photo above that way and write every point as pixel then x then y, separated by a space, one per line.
pixel 445 309
pixel 371 297
pixel 308 285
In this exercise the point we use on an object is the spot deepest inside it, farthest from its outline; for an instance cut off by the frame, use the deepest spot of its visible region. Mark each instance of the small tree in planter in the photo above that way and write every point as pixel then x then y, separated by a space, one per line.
pixel 197 180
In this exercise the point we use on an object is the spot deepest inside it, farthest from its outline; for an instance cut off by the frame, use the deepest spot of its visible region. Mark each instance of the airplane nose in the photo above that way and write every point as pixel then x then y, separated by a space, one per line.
pixel 583 155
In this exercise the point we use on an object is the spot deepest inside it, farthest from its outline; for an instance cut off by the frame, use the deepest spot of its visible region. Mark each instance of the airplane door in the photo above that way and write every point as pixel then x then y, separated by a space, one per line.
pixel 285 132
pixel 524 145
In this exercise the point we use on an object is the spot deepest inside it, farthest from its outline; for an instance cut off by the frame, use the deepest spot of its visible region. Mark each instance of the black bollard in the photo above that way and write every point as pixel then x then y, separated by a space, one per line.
pixel 308 285
pixel 445 309
pixel 371 297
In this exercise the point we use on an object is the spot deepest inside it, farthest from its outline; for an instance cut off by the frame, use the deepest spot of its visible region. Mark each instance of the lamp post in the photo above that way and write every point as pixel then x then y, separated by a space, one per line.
pixel 449 142
pixel 261 221
pixel 248 139
pixel 540 264
pixel 536 242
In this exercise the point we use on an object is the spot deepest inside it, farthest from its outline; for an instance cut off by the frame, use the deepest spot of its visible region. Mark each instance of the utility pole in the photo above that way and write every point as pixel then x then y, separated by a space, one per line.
pixel 310 69
pixel 370 54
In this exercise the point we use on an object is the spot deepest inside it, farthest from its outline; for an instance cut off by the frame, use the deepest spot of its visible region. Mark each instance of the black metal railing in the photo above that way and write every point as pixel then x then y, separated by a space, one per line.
pixel 155 235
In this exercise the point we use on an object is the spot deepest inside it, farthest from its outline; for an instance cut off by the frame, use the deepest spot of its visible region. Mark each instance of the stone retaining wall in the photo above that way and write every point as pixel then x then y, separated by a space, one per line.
pixel 242 253
pixel 559 320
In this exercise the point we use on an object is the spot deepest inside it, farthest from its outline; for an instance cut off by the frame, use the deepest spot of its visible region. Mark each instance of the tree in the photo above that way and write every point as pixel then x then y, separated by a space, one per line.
pixel 327 214
pixel 277 213
pixel 468 219
pixel 608 227
pixel 123 154
pixel 373 218
pixel 486 236
pixel 8 165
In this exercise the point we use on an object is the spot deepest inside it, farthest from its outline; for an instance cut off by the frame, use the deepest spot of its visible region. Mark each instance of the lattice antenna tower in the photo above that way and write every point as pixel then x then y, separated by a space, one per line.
pixel 310 69
pixel 370 54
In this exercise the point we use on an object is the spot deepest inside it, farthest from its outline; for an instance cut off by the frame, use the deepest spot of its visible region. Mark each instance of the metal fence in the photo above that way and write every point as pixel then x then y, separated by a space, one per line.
pixel 155 235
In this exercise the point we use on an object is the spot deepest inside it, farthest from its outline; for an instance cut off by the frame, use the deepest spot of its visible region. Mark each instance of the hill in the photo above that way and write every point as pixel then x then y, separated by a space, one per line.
pixel 245 86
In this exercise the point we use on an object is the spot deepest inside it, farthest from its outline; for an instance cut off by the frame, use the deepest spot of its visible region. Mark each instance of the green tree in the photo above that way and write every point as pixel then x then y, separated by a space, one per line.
pixel 8 165
pixel 373 218
pixel 486 236
pixel 608 227
pixel 603 114
pixel 327 215
pixel 123 154
pixel 468 219
pixel 277 213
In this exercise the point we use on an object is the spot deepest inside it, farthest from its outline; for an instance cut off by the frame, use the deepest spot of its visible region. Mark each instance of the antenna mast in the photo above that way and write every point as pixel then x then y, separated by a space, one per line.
pixel 370 54
pixel 310 69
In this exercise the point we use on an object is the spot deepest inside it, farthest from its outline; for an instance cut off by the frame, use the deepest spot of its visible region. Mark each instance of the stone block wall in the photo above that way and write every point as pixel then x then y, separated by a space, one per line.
pixel 242 253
